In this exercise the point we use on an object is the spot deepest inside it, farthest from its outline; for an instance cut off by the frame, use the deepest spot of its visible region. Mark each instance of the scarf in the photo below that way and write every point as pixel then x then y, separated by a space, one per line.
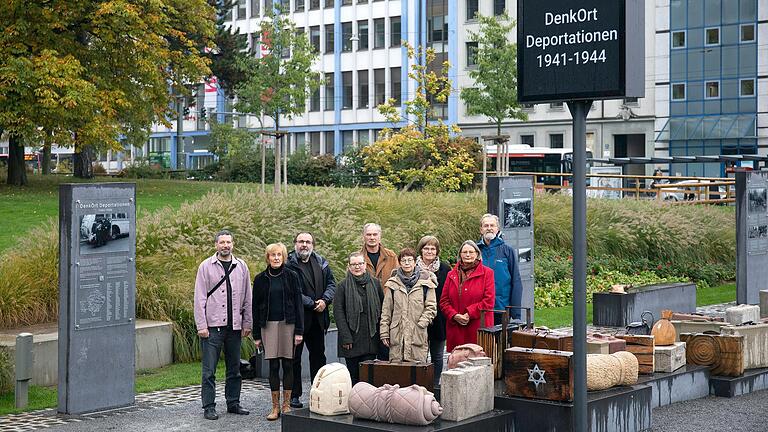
pixel 354 302
pixel 408 280
pixel 465 270
pixel 434 267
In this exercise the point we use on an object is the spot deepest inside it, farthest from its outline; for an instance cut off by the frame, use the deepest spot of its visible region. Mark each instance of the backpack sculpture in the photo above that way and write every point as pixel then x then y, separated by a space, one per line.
pixel 330 390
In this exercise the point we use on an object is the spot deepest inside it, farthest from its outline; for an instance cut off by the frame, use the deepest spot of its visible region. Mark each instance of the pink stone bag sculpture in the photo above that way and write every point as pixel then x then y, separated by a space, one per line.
pixel 463 353
pixel 412 405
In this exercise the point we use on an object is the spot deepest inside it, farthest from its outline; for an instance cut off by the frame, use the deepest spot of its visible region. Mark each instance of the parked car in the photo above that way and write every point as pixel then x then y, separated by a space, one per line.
pixel 690 190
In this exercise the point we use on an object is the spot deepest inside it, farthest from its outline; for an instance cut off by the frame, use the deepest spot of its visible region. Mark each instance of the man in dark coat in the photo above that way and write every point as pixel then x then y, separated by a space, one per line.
pixel 319 287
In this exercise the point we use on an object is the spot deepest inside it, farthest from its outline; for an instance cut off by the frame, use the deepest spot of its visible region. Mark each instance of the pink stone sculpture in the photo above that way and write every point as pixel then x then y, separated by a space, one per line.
pixel 412 405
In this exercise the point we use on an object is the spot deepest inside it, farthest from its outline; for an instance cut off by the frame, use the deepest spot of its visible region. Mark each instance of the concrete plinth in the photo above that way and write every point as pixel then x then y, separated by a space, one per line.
pixel 618 310
pixel 753 380
pixel 669 358
pixel 687 383
pixel 743 313
pixel 465 390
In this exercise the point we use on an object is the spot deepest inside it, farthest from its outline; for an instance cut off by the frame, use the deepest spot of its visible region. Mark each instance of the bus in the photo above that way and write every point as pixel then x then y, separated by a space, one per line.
pixel 523 158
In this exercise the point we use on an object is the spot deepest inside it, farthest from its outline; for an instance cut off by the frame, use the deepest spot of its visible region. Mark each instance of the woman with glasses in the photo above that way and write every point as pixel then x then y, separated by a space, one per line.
pixel 468 288
pixel 409 306
pixel 357 310
pixel 429 259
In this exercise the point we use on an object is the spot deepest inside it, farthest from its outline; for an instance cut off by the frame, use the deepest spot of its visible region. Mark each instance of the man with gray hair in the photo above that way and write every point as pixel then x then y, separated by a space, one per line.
pixel 379 261
pixel 223 316
pixel 500 257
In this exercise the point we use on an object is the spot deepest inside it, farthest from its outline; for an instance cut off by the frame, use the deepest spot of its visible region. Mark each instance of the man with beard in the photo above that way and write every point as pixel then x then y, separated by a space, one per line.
pixel 317 294
pixel 223 316
pixel 500 257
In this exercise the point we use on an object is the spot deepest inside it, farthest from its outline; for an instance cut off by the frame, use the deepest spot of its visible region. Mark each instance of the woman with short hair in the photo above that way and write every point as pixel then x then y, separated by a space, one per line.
pixel 429 259
pixel 278 318
pixel 409 306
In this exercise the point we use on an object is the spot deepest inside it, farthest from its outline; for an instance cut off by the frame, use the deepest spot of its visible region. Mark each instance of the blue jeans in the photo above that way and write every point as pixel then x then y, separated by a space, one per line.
pixel 437 353
pixel 221 338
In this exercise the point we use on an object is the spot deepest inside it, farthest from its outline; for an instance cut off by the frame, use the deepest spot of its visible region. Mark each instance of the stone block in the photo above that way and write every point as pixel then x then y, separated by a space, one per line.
pixel 692 326
pixel 763 303
pixel 755 343
pixel 618 310
pixel 467 391
pixel 743 313
pixel 669 358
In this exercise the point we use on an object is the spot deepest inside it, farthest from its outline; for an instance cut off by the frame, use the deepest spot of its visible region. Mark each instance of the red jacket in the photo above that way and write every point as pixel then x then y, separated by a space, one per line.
pixel 477 293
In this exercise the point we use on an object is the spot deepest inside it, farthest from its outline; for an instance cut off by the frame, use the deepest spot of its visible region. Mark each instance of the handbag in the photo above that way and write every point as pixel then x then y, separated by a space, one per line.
pixel 643 327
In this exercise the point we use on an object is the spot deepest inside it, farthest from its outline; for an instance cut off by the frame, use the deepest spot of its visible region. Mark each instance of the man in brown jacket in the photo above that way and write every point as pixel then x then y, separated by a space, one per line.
pixel 379 260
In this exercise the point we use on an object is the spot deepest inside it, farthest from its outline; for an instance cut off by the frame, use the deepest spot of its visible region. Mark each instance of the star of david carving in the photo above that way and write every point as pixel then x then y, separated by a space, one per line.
pixel 536 376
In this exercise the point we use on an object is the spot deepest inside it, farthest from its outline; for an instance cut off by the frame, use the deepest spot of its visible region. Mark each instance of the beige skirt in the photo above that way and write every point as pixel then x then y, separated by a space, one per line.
pixel 277 338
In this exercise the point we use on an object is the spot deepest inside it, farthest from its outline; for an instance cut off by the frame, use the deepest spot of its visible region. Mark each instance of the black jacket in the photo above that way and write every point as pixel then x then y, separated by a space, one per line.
pixel 308 297
pixel 436 330
pixel 291 302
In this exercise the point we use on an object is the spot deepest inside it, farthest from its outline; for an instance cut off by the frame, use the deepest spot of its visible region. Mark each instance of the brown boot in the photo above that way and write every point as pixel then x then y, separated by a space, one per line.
pixel 275 413
pixel 286 401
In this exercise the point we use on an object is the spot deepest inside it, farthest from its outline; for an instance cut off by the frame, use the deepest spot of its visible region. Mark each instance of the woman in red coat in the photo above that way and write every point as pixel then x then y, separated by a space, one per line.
pixel 468 288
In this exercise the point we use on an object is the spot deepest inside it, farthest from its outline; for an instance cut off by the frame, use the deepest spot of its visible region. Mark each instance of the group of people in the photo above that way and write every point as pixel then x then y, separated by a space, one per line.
pixel 404 307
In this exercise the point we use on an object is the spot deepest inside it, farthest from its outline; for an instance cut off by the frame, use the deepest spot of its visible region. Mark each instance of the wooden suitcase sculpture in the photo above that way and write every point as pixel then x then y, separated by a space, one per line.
pixel 755 343
pixel 604 344
pixel 378 373
pixel 538 374
pixel 642 347
pixel 723 353
pixel 541 338
pixel 495 340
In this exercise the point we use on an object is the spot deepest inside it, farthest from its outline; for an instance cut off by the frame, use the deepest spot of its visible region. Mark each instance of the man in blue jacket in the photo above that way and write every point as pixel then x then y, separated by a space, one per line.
pixel 318 289
pixel 503 260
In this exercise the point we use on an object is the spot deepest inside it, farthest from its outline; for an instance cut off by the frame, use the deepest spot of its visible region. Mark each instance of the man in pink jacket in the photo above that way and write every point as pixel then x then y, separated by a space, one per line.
pixel 223 316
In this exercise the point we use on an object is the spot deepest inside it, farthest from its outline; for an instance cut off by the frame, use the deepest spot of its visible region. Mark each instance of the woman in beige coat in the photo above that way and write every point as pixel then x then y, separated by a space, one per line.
pixel 409 306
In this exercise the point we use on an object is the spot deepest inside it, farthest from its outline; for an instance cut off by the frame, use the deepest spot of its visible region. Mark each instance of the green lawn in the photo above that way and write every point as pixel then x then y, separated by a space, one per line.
pixel 23 208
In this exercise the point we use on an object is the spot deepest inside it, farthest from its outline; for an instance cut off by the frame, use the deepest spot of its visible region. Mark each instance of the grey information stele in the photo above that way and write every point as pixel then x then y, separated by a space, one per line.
pixel 751 235
pixel 97 296
pixel 580 50
pixel 511 199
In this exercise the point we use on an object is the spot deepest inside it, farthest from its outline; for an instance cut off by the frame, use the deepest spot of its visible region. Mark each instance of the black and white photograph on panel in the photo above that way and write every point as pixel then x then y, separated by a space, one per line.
pixel 104 232
pixel 758 201
pixel 524 255
pixel 517 213
pixel 762 231
pixel 753 232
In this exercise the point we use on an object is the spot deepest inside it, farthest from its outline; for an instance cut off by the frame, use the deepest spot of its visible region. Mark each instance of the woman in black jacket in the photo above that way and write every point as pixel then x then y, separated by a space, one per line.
pixel 428 250
pixel 278 318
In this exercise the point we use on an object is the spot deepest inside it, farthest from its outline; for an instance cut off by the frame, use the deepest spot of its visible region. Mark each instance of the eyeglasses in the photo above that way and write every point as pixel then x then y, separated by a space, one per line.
pixel 356 264
pixel 304 241
pixel 406 260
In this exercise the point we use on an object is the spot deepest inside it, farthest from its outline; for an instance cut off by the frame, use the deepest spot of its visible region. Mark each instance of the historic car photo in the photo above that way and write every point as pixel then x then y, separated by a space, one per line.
pixel 104 232
pixel 517 213
pixel 762 231
pixel 758 201
pixel 524 255
pixel 753 232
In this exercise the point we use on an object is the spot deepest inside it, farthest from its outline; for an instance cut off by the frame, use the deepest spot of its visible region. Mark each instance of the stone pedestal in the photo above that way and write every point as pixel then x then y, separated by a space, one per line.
pixel 467 390
pixel 669 358
pixel 618 310
pixel 763 303
pixel 687 383
pixel 751 381
pixel 743 313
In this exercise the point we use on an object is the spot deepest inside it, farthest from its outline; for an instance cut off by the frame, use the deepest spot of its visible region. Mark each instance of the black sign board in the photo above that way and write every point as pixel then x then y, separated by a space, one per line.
pixel 580 50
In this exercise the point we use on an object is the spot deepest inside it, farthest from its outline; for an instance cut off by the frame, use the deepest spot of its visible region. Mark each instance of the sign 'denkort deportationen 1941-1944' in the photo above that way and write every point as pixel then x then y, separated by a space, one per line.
pixel 578 50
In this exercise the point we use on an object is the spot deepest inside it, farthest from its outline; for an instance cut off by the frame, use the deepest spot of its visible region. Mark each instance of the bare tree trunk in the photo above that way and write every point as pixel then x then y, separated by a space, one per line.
pixel 263 161
pixel 285 167
pixel 17 174
pixel 46 162
pixel 83 163
pixel 278 164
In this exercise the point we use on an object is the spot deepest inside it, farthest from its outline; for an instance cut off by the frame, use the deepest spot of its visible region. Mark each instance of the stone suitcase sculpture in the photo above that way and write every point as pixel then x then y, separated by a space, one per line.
pixel 466 391
pixel 404 374
pixel 604 344
pixel 642 347
pixel 609 370
pixel 697 326
pixel 755 343
pixel 669 358
pixel 743 313
pixel 463 353
pixel 330 390
pixel 412 405
pixel 724 354
pixel 538 374
pixel 679 316
pixel 541 338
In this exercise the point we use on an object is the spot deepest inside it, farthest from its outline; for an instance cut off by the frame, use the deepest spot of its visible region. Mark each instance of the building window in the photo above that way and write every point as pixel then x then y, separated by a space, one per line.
pixel 498 7
pixel 526 140
pixel 556 106
pixel 438 29
pixel 314 100
pixel 301 141
pixel 362 34
pixel 362 1
pixel 747 33
pixel 379 95
pixel 362 89
pixel 346 84
pixel 471 9
pixel 314 37
pixel 347 141
pixel 314 143
pixel 678 91
pixel 346 2
pixel 394 32
pixel 329 93
pixel 633 101
pixel 314 5
pixel 678 39
pixel 346 37
pixel 712 89
pixel 471 54
pixel 747 87
pixel 712 36
pixel 329 4
pixel 285 6
pixel 329 38
pixel 330 141
pixel 255 6
pixel 299 6
pixel 240 9
pixel 395 79
pixel 363 139
pixel 378 33
pixel 556 140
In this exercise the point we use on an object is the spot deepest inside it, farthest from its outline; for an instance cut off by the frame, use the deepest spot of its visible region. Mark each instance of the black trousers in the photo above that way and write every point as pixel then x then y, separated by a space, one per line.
pixel 314 338
pixel 229 340
pixel 274 373
pixel 437 354
pixel 353 365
